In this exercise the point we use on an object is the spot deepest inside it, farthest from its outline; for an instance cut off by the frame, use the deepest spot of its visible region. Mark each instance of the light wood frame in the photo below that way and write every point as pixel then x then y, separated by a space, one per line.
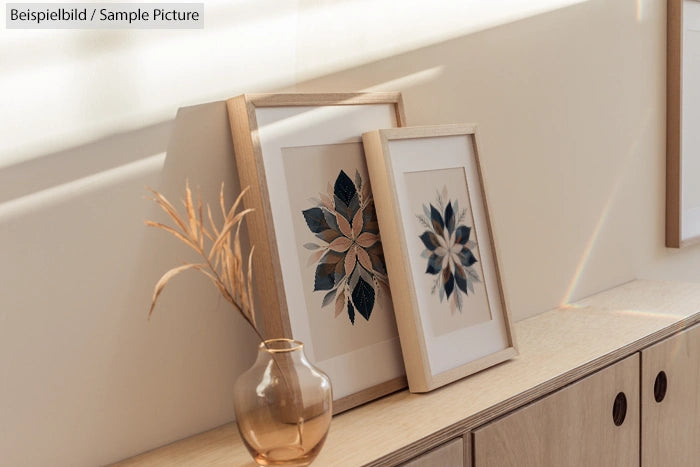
pixel 253 172
pixel 675 121
pixel 385 168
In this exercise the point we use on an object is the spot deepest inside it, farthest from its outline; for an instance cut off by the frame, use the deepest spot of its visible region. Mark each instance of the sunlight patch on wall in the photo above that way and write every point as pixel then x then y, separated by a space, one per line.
pixel 334 35
pixel 61 88
pixel 612 198
pixel 413 79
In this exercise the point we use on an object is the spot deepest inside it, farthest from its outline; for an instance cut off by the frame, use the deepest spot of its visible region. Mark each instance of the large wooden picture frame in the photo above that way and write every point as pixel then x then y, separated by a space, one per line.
pixel 441 255
pixel 318 262
pixel 683 119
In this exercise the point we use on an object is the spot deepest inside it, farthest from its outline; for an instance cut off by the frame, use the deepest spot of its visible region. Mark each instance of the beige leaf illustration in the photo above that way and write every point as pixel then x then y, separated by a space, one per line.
pixel 363 257
pixel 367 239
pixel 340 244
pixel 343 225
pixel 315 257
pixel 350 261
pixel 357 224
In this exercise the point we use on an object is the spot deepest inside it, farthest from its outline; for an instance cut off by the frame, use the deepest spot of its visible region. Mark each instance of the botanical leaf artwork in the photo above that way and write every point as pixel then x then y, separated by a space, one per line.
pixel 448 250
pixel 349 260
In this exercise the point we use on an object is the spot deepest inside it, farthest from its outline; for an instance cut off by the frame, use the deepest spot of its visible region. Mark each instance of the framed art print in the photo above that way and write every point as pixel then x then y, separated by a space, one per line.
pixel 683 118
pixel 440 251
pixel 319 263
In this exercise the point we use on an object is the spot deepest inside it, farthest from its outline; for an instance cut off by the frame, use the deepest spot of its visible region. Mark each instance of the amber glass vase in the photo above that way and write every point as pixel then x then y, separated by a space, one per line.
pixel 283 405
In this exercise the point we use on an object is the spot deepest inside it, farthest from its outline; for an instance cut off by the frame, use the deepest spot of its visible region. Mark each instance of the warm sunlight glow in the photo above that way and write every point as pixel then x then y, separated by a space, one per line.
pixel 585 256
pixel 61 88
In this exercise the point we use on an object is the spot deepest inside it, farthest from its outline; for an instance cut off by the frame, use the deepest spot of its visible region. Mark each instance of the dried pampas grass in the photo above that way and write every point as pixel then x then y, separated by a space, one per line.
pixel 219 248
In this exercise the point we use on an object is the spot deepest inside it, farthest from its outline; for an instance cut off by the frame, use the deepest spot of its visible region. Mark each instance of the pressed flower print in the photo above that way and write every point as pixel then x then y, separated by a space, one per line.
pixel 348 257
pixel 449 249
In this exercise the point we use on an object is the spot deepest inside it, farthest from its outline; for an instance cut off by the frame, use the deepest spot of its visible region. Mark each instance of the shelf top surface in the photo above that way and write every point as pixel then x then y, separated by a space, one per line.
pixel 556 348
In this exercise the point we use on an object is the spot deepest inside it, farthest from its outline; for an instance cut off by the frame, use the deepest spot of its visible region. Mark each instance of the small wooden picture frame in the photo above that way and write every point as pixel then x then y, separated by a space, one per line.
pixel 682 119
pixel 441 255
pixel 318 262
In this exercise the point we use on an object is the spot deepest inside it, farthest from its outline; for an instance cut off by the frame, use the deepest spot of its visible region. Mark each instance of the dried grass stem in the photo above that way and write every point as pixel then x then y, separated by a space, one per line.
pixel 222 262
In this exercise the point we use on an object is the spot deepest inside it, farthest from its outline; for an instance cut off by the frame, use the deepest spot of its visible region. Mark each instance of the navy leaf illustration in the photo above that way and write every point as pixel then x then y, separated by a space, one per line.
pixel 354 266
pixel 351 312
pixel 342 208
pixel 448 250
pixel 466 257
pixel 448 281
pixel 434 264
pixel 354 206
pixel 330 219
pixel 339 270
pixel 325 277
pixel 449 218
pixel 315 219
pixel 376 255
pixel 473 277
pixel 363 297
pixel 436 220
pixel 461 279
pixel 344 188
pixel 462 235
pixel 429 240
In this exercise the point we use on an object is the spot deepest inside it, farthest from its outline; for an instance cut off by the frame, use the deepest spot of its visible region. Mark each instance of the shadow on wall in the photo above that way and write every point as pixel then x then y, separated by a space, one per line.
pixel 204 344
pixel 571 124
pixel 65 167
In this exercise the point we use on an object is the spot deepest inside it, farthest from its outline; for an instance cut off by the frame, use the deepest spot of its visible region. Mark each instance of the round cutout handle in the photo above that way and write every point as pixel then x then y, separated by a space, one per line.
pixel 619 411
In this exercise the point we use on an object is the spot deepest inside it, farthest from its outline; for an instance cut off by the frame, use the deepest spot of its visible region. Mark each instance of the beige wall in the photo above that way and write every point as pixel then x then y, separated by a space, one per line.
pixel 570 100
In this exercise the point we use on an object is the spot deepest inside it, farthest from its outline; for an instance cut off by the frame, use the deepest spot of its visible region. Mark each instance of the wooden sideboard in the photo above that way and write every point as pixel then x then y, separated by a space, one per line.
pixel 557 403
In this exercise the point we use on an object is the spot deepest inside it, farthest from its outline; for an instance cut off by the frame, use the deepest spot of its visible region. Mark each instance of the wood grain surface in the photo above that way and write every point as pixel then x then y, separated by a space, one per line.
pixel 572 427
pixel 671 427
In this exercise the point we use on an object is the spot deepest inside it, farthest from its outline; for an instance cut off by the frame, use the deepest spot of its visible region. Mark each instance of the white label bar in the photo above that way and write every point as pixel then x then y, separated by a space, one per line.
pixel 104 15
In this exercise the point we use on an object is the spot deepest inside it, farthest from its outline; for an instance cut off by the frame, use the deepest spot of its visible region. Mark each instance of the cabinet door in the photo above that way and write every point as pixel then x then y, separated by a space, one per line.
pixel 593 422
pixel 671 401
pixel 450 454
